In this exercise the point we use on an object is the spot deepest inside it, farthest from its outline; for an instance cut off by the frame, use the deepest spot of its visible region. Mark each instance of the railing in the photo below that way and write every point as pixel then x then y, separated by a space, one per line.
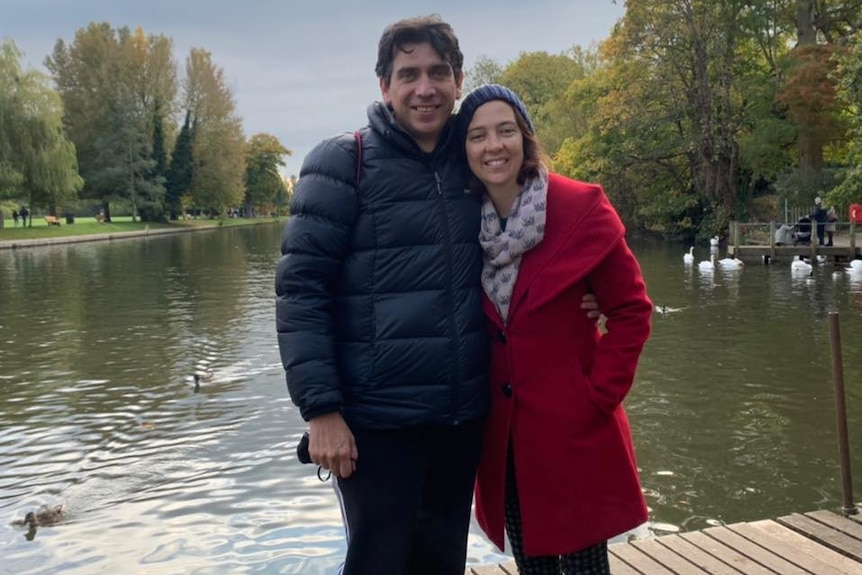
pixel 762 234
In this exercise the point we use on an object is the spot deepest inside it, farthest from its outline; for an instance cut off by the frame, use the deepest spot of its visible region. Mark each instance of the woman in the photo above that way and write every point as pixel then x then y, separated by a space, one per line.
pixel 558 468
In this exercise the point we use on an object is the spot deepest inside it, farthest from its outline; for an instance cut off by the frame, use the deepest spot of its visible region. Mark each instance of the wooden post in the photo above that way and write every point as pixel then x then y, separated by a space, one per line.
pixel 852 239
pixel 734 236
pixel 849 507
pixel 771 240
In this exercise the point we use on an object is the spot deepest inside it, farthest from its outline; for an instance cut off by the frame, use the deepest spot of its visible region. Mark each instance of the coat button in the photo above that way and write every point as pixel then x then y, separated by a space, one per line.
pixel 507 389
pixel 502 337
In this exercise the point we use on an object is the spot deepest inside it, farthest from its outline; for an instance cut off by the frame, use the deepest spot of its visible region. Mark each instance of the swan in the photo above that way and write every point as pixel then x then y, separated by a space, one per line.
pixel 856 266
pixel 801 266
pixel 821 259
pixel 713 241
pixel 688 258
pixel 733 263
pixel 707 265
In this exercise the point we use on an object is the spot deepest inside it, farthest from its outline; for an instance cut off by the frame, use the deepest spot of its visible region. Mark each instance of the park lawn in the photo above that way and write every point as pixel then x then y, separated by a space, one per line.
pixel 89 225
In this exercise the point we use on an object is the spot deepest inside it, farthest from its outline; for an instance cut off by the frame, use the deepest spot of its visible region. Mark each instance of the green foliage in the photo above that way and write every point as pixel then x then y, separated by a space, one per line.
pixel 218 142
pixel 484 71
pixel 179 175
pixel 37 162
pixel 848 73
pixel 112 81
pixel 264 185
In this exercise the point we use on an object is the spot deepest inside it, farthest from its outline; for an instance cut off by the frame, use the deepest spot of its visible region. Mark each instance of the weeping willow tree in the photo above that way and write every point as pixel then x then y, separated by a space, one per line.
pixel 38 165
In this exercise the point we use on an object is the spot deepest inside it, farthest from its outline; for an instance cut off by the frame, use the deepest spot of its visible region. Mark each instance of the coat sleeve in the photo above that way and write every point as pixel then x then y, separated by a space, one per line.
pixel 316 237
pixel 621 293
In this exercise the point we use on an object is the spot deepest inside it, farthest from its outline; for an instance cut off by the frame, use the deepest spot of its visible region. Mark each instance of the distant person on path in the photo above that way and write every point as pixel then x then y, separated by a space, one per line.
pixel 24 213
pixel 831 218
pixel 15 217
pixel 818 214
pixel 558 468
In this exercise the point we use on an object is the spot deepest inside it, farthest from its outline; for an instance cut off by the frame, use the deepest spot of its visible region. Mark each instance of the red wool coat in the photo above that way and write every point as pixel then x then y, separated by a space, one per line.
pixel 557 384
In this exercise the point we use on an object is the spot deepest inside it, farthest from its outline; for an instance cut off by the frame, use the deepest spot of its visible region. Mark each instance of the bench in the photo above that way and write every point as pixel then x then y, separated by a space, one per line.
pixel 52 220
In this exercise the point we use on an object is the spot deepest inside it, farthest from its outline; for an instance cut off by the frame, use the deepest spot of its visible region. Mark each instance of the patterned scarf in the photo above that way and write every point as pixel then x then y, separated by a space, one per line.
pixel 525 228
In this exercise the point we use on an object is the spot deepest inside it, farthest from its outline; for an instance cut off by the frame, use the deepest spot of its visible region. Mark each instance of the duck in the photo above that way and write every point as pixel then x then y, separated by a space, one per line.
pixel 713 241
pixel 801 266
pixel 688 257
pixel 707 265
pixel 200 376
pixel 44 516
pixel 733 263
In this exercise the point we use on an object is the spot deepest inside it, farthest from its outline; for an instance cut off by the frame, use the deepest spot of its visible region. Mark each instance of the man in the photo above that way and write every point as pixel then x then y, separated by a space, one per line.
pixel 379 315
pixel 818 214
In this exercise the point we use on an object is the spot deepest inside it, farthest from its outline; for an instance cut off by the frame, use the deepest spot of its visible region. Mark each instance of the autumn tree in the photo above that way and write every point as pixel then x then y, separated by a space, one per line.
pixel 218 146
pixel 541 80
pixel 111 82
pixel 264 185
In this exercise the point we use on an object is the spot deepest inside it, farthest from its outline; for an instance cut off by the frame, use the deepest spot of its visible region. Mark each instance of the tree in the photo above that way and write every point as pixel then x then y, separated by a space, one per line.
pixel 848 74
pixel 178 182
pixel 263 183
pixel 111 82
pixel 218 145
pixel 37 161
pixel 484 71
pixel 541 80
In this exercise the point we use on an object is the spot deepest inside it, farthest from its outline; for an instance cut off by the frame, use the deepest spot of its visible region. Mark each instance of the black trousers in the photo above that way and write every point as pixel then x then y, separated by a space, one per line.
pixel 406 508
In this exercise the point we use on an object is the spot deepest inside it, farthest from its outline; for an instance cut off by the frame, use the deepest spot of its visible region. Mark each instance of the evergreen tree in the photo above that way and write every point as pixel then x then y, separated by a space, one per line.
pixel 179 174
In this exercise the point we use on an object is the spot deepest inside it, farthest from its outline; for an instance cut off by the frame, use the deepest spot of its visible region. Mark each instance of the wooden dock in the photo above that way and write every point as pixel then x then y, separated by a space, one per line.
pixel 750 241
pixel 816 543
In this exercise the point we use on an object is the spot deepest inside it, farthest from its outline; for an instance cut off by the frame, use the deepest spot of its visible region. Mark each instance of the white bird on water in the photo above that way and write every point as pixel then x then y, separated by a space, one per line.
pixel 733 263
pixel 688 257
pixel 800 266
pixel 707 265
pixel 713 241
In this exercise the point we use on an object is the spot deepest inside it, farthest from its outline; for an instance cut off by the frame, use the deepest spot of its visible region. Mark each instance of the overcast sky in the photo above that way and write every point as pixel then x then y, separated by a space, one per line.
pixel 303 70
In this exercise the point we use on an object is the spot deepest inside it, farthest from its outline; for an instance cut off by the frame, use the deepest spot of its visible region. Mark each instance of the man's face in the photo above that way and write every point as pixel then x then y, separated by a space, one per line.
pixel 421 92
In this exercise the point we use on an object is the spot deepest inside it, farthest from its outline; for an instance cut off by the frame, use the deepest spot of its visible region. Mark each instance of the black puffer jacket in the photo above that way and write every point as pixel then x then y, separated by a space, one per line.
pixel 379 311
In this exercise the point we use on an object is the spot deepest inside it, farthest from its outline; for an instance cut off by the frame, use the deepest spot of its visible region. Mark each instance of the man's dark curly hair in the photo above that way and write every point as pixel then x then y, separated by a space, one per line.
pixel 422 29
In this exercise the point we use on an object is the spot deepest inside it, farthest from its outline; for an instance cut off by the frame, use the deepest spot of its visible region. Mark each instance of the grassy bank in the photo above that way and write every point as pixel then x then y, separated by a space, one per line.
pixel 88 226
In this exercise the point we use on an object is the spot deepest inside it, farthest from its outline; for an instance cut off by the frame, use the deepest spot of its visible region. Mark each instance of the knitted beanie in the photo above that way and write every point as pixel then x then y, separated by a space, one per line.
pixel 483 95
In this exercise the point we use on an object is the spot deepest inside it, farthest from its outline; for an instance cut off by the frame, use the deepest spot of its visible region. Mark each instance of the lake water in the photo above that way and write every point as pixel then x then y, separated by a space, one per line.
pixel 732 410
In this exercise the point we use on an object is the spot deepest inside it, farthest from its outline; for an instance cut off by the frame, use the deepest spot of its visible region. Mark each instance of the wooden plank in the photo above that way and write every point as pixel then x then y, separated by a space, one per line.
pixel 763 556
pixel 668 558
pixel 837 522
pixel 824 535
pixel 618 566
pixel 711 564
pixel 840 562
pixel 485 570
pixel 642 563
pixel 785 549
pixel 726 554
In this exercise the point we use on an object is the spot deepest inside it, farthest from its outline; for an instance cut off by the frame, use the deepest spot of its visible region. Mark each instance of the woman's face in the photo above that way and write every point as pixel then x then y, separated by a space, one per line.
pixel 495 147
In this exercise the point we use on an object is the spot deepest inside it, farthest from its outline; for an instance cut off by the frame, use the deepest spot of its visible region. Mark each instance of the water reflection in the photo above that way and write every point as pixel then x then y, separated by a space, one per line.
pixel 732 411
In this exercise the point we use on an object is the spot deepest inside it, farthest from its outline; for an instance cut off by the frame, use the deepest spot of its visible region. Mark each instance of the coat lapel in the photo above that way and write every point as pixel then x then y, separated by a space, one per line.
pixel 581 228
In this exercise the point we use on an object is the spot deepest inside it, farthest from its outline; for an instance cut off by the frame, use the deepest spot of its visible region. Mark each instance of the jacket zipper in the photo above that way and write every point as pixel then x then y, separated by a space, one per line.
pixel 454 366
